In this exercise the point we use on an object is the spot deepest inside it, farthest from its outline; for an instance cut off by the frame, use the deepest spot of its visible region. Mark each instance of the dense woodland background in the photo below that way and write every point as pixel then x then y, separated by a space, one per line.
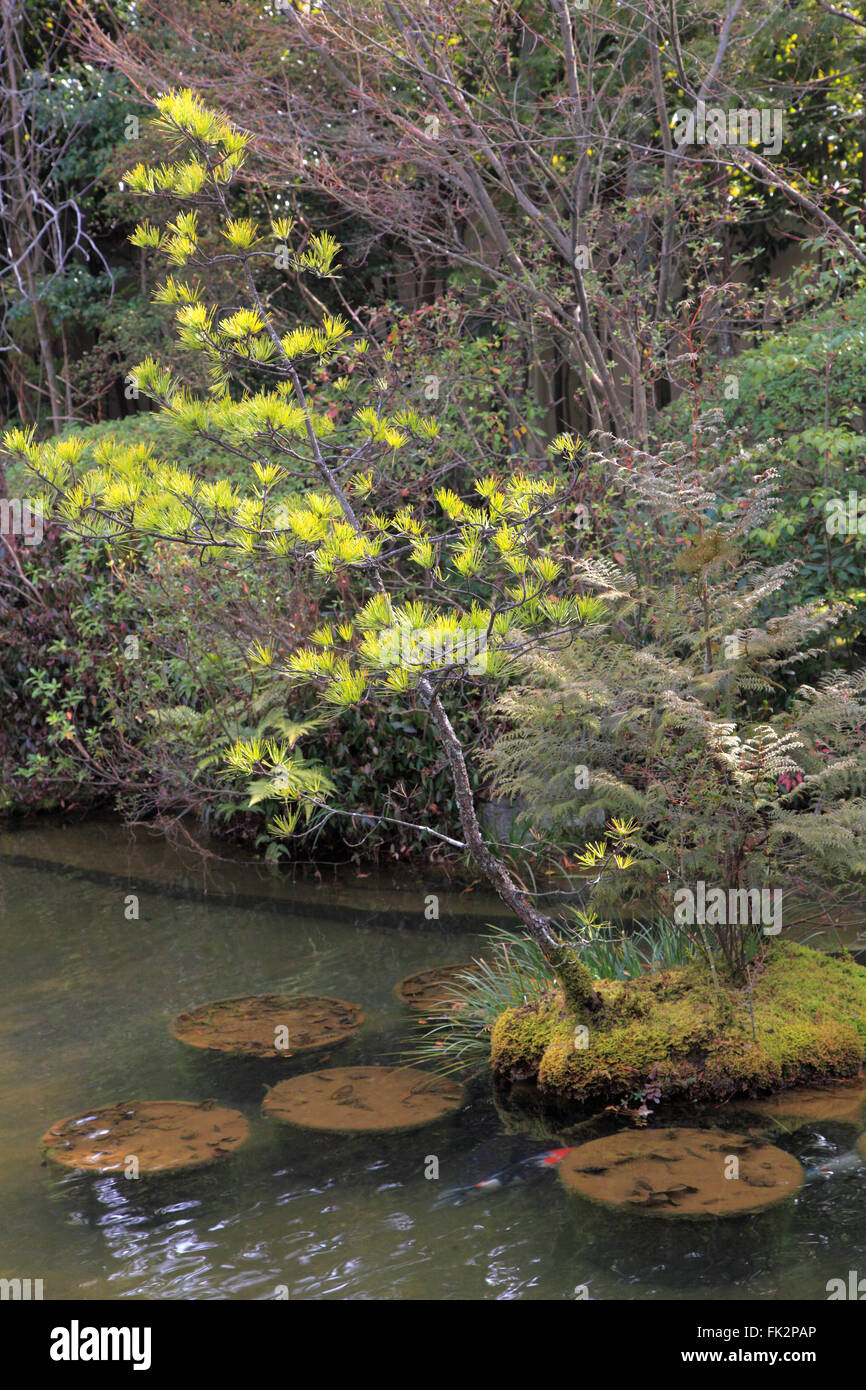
pixel 529 253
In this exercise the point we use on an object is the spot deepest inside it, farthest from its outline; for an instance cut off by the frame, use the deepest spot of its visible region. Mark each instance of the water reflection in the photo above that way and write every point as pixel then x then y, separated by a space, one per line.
pixel 87 998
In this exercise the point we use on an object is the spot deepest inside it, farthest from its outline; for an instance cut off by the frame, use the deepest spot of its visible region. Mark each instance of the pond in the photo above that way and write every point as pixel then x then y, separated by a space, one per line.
pixel 87 999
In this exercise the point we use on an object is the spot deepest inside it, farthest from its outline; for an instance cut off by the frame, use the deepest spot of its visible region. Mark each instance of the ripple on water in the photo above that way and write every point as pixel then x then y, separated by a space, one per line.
pixel 86 999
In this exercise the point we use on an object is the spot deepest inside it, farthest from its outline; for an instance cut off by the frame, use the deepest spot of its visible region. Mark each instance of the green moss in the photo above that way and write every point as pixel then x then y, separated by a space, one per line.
pixel 577 983
pixel 520 1037
pixel 677 1031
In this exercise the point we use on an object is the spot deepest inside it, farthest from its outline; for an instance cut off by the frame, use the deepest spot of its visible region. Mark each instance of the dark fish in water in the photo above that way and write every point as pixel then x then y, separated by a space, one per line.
pixel 516 1173
pixel 833 1167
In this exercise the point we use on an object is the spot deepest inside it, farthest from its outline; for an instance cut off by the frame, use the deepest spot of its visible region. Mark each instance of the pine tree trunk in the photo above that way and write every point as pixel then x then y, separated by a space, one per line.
pixel 573 974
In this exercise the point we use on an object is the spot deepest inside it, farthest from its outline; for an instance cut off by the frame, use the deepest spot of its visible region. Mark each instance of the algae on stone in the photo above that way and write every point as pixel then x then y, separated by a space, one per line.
pixel 428 989
pixel 354 1099
pixel 268 1025
pixel 676 1031
pixel 160 1136
pixel 682 1172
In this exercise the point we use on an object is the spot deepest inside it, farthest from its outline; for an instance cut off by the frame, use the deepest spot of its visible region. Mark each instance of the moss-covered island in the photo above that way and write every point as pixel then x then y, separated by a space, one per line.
pixel 691 1036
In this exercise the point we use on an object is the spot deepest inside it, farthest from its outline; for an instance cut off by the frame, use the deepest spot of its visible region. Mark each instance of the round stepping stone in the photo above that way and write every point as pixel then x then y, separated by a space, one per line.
pixel 354 1099
pixel 162 1136
pixel 430 988
pixel 268 1025
pixel 801 1105
pixel 681 1172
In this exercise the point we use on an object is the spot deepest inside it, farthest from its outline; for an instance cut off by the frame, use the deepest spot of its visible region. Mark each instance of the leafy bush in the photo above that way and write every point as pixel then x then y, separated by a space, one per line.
pixel 636 747
pixel 802 395
pixel 65 615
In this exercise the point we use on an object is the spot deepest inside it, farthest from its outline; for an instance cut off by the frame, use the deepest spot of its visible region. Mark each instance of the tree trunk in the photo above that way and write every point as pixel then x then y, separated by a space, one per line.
pixel 573 974
pixel 20 221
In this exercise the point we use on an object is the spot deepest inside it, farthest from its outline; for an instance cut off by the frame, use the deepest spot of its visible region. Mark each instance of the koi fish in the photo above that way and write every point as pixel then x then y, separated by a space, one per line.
pixel 515 1173
pixel 831 1167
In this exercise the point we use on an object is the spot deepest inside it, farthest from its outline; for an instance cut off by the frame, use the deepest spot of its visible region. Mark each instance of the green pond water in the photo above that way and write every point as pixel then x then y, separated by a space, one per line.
pixel 87 999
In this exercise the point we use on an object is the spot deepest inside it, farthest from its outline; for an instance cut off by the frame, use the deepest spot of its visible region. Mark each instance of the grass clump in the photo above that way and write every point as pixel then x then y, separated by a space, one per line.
pixel 456 1034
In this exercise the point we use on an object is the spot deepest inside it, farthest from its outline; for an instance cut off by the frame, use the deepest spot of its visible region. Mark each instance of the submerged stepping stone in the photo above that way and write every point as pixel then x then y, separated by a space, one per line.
pixel 681 1172
pixel 430 988
pixel 162 1136
pixel 268 1025
pixel 842 1102
pixel 354 1099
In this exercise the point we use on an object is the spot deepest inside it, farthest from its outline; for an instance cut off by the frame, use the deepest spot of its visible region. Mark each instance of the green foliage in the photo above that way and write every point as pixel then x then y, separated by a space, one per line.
pixel 65 617
pixel 490 582
pixel 667 683
pixel 800 396
pixel 512 972
pixel 613 954
pixel 162 435
pixel 463 360
pixel 456 1034
pixel 633 751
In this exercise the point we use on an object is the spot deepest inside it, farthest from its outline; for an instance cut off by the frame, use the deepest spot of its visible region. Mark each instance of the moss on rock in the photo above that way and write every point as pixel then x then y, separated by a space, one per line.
pixel 578 987
pixel 674 1029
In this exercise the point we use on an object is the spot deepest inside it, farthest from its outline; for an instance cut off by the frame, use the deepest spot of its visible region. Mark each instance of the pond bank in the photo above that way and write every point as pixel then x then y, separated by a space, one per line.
pixel 108 851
